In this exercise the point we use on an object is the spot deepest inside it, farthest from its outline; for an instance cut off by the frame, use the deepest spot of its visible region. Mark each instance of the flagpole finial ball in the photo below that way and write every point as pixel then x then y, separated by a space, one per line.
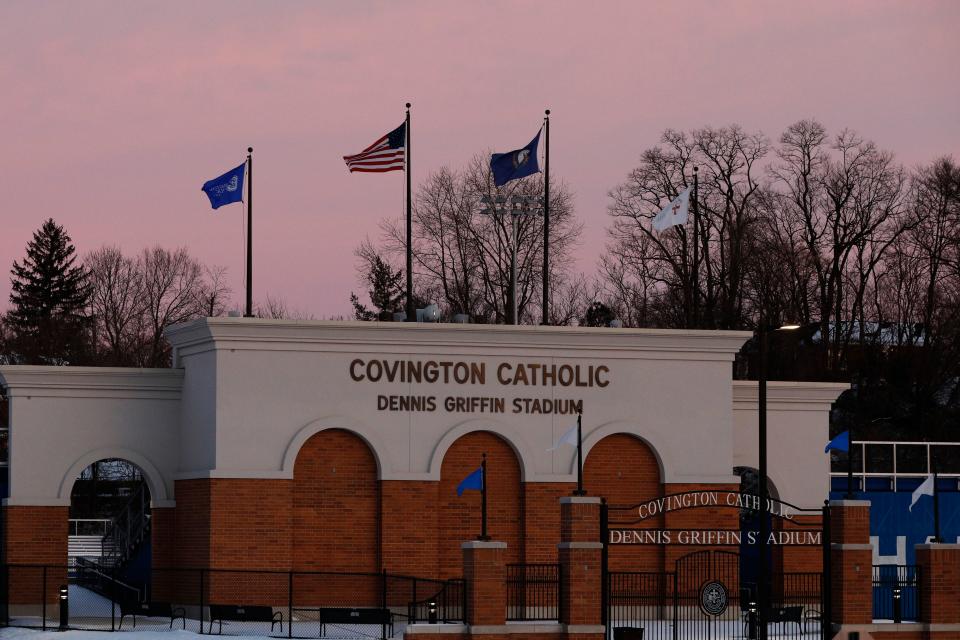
pixel 408 105
pixel 547 112
pixel 696 168
pixel 249 149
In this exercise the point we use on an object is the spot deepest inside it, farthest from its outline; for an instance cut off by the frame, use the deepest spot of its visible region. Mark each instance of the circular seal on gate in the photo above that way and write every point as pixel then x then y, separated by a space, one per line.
pixel 713 598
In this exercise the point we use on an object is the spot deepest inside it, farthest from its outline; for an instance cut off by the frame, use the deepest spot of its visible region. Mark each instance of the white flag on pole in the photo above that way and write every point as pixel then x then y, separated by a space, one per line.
pixel 570 438
pixel 925 489
pixel 674 213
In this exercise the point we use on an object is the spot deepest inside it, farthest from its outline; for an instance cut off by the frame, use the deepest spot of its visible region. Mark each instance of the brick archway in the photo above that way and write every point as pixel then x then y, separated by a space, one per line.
pixel 336 499
pixel 624 470
pixel 459 517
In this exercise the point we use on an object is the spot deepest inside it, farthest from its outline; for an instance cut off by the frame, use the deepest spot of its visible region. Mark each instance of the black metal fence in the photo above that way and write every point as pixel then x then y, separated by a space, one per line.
pixel 533 592
pixel 640 600
pixel 896 592
pixel 670 606
pixel 232 602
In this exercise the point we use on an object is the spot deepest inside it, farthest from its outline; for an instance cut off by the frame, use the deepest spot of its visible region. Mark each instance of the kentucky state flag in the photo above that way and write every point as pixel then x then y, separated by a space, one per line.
pixel 518 163
pixel 473 482
pixel 226 188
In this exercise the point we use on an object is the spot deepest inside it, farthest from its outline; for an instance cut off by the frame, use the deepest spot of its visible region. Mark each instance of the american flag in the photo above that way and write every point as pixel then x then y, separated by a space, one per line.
pixel 386 154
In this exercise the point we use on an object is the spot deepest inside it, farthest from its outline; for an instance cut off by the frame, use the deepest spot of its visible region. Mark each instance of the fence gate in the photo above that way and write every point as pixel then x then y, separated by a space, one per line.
pixel 706 596
pixel 712 593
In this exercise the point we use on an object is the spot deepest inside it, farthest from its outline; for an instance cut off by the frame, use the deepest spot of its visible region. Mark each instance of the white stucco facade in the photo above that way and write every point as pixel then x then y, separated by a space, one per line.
pixel 245 394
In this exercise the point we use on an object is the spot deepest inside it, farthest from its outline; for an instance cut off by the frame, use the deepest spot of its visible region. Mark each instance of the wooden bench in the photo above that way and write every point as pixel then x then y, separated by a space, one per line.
pixel 135 608
pixel 350 615
pixel 787 614
pixel 244 613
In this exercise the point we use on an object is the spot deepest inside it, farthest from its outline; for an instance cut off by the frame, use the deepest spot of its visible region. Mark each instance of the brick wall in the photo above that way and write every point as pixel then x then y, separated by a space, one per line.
pixel 458 519
pixel 192 523
pixel 36 535
pixel 335 505
pixel 625 471
pixel 410 543
pixel 939 583
pixel 541 523
pixel 335 515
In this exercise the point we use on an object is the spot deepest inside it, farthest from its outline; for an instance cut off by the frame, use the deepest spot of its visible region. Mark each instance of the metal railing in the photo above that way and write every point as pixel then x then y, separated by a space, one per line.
pixel 896 592
pixel 128 530
pixel 311 603
pixel 892 459
pixel 533 592
pixel 88 526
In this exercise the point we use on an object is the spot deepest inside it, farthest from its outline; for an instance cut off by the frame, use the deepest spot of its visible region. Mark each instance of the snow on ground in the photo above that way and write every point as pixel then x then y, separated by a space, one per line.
pixel 11 633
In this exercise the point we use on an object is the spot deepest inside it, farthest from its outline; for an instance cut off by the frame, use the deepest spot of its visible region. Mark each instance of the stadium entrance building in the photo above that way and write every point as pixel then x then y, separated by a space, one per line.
pixel 339 445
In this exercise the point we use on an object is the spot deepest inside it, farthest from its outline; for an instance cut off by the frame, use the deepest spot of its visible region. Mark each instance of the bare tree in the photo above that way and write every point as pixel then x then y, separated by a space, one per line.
pixel 214 293
pixel 660 265
pixel 276 308
pixel 847 197
pixel 462 258
pixel 135 299
pixel 117 304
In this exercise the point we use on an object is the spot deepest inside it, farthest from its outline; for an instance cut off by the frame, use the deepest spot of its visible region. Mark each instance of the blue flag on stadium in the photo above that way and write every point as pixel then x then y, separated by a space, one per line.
pixel 226 188
pixel 473 481
pixel 518 163
pixel 840 443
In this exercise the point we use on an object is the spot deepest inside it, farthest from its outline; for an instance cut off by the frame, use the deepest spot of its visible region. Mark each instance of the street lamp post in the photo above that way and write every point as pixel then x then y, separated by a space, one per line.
pixel 763 587
pixel 515 207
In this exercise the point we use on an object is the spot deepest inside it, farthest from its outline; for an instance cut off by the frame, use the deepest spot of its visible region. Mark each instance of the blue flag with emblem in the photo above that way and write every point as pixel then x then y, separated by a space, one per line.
pixel 840 443
pixel 473 481
pixel 227 188
pixel 518 163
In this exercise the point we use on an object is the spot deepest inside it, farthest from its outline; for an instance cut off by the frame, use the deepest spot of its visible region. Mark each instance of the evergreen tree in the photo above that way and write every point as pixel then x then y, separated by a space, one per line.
pixel 386 292
pixel 48 320
pixel 598 315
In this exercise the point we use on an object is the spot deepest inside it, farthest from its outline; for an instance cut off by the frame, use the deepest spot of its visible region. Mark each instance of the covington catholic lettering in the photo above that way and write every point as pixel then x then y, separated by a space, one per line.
pixel 507 374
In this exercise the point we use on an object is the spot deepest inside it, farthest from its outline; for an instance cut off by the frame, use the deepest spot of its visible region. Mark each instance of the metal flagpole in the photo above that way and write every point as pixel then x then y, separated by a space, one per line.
pixel 411 312
pixel 546 224
pixel 249 310
pixel 580 491
pixel 696 243
pixel 483 499
pixel 936 510
pixel 763 583
pixel 850 464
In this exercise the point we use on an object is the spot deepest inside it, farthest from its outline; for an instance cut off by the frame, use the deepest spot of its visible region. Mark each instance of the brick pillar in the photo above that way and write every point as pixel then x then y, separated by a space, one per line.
pixel 484 569
pixel 851 558
pixel 939 584
pixel 580 553
pixel 36 536
pixel 163 549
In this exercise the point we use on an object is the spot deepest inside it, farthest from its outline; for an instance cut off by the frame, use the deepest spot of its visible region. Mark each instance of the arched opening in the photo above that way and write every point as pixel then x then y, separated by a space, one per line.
pixel 459 517
pixel 623 469
pixel 109 504
pixel 336 500
pixel 109 528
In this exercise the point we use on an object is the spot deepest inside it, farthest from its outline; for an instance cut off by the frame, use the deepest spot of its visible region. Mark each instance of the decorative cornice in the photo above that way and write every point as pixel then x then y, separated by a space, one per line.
pixel 254 333
pixel 95 382
pixel 799 396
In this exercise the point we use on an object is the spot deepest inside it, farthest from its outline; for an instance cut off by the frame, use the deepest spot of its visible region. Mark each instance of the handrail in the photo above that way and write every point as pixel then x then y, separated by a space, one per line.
pixel 126 528
pixel 894 473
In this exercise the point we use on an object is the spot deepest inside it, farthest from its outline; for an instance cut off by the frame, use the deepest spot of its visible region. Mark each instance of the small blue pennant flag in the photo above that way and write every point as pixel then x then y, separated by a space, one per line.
pixel 473 481
pixel 227 188
pixel 840 443
pixel 518 163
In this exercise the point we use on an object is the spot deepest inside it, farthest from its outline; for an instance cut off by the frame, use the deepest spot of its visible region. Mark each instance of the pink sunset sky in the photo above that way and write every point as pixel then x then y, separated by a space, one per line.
pixel 114 113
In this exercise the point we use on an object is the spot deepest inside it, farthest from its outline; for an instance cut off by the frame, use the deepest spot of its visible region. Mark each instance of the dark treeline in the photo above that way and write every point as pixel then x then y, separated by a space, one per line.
pixel 827 231
pixel 822 229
